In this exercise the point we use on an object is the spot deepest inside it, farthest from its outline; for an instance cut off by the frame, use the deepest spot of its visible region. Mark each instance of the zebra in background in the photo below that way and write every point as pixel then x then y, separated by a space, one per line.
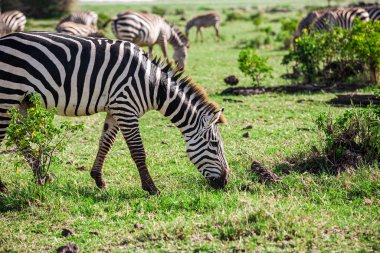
pixel 149 29
pixel 12 21
pixel 204 20
pixel 343 18
pixel 373 12
pixel 72 28
pixel 83 75
pixel 307 21
pixel 88 18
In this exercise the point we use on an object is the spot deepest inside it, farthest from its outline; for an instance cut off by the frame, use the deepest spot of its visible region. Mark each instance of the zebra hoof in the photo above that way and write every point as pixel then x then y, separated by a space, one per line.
pixel 3 188
pixel 98 179
pixel 151 190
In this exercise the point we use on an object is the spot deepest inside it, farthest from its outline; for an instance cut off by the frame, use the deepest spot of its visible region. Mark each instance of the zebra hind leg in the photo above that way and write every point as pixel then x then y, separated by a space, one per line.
pixel 110 130
pixel 131 133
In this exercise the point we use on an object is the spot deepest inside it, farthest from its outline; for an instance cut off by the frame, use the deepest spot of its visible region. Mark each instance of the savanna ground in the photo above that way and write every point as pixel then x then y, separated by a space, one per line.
pixel 305 212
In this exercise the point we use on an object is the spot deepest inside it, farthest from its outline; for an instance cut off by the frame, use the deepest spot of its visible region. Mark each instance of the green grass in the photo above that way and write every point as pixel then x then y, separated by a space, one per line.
pixel 305 212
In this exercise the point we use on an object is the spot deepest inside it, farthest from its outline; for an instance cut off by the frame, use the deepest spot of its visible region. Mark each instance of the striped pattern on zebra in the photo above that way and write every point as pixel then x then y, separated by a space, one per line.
pixel 149 29
pixel 83 76
pixel 88 18
pixel 12 21
pixel 374 12
pixel 204 20
pixel 307 21
pixel 343 18
pixel 78 29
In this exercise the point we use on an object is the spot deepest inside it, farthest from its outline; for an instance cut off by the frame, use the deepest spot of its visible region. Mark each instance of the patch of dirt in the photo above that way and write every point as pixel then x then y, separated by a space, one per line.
pixel 291 89
pixel 265 174
pixel 69 248
pixel 355 99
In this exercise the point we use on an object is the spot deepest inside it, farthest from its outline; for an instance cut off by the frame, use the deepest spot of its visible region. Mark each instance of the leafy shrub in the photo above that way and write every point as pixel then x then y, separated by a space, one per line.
pixel 37 138
pixel 39 8
pixel 179 12
pixel 338 55
pixel 365 44
pixel 158 11
pixel 237 15
pixel 352 137
pixel 253 65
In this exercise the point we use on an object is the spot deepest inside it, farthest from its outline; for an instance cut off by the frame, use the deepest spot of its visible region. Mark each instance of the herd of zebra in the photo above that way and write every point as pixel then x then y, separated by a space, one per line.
pixel 87 74
pixel 83 75
pixel 139 28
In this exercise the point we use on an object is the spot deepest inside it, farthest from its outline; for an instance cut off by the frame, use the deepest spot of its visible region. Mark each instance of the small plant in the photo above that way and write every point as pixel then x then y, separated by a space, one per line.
pixel 253 65
pixel 179 12
pixel 352 137
pixel 158 11
pixel 37 137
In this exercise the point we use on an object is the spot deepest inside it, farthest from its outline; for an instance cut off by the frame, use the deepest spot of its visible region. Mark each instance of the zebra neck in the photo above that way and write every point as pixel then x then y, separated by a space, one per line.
pixel 175 40
pixel 180 104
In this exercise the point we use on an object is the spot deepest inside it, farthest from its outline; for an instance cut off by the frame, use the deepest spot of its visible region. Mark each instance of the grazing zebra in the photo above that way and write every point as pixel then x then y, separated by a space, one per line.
pixel 149 29
pixel 88 18
pixel 204 20
pixel 307 21
pixel 12 21
pixel 82 76
pixel 78 29
pixel 343 18
pixel 373 12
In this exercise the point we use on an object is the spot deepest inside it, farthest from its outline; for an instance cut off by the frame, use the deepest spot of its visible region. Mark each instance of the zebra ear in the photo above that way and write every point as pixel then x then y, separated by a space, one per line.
pixel 216 117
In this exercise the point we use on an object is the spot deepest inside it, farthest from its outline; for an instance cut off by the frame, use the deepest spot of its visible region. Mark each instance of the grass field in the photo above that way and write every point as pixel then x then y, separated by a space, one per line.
pixel 306 212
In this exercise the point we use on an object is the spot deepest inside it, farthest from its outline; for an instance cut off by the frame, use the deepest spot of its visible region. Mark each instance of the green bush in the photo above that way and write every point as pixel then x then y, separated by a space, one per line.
pixel 338 55
pixel 158 11
pixel 37 137
pixel 237 15
pixel 253 65
pixel 351 137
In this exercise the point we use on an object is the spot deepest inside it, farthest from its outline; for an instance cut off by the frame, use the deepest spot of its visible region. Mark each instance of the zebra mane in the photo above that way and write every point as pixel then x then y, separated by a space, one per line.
pixel 179 33
pixel 181 80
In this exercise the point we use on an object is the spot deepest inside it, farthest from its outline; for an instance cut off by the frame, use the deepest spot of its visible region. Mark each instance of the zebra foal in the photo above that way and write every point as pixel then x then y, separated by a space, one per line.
pixel 149 29
pixel 204 20
pixel 82 76
pixel 11 21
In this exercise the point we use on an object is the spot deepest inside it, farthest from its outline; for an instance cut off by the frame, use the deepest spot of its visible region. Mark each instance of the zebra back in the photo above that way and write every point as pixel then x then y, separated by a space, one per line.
pixel 78 29
pixel 374 12
pixel 344 18
pixel 88 18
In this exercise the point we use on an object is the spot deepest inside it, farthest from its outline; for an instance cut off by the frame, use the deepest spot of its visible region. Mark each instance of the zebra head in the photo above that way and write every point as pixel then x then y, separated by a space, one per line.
pixel 179 56
pixel 205 150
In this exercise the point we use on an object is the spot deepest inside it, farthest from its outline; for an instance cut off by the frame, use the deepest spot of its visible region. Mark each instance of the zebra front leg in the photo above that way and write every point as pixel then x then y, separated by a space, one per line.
pixel 217 32
pixel 131 133
pixel 164 48
pixel 106 141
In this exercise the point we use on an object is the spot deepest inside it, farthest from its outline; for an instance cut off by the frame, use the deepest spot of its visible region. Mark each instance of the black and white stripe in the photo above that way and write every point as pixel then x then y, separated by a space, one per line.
pixel 88 18
pixel 374 12
pixel 147 30
pixel 344 18
pixel 78 29
pixel 83 76
pixel 12 21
